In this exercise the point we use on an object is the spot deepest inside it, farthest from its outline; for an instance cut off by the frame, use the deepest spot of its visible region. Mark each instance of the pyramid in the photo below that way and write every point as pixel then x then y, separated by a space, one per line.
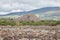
pixel 28 17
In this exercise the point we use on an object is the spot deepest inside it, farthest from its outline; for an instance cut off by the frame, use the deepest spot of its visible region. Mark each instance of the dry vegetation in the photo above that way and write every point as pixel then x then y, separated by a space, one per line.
pixel 12 22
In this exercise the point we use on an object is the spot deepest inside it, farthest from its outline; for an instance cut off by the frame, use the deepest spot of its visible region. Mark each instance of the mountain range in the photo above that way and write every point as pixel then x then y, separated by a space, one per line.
pixel 48 13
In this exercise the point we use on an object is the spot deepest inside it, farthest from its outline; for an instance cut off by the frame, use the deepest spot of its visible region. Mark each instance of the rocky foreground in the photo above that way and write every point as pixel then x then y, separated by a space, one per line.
pixel 30 32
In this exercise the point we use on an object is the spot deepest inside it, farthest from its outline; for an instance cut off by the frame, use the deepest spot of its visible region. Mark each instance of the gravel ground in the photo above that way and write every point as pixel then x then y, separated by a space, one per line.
pixel 30 32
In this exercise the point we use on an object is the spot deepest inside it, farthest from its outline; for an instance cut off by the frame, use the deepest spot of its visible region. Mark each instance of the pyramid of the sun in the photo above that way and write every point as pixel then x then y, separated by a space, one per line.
pixel 28 17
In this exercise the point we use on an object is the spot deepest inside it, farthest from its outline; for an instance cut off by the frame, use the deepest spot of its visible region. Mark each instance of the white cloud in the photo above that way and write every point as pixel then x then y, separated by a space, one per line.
pixel 16 10
pixel 10 5
pixel 2 13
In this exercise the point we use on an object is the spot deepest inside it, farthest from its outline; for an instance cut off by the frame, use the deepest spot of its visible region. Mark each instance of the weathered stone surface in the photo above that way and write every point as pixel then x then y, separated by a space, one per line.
pixel 28 17
pixel 30 33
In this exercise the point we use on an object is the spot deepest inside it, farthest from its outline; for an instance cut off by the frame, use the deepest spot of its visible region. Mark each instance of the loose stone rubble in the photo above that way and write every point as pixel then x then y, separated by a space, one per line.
pixel 30 33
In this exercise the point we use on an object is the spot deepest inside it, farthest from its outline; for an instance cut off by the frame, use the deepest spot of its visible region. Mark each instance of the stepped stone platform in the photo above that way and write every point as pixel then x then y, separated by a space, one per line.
pixel 28 17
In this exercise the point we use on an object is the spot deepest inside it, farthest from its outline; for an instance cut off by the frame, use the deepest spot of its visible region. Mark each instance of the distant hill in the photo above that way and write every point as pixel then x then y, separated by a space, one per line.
pixel 44 13
pixel 41 10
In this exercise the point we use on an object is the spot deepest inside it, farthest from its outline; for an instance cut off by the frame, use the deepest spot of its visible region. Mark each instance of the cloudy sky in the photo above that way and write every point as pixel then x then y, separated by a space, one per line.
pixel 7 6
